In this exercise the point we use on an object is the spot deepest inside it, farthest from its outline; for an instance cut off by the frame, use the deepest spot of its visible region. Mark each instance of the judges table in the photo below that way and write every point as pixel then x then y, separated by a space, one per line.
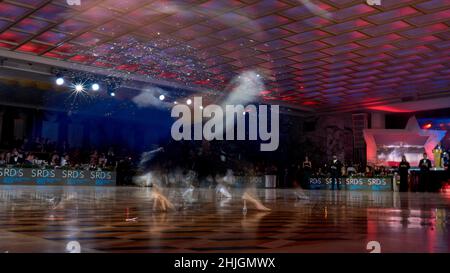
pixel 435 179
pixel 44 177
pixel 354 183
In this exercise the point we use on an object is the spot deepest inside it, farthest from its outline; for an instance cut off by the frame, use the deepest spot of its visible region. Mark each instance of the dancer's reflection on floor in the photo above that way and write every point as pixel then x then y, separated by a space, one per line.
pixel 250 222
pixel 249 195
pixel 405 212
pixel 160 201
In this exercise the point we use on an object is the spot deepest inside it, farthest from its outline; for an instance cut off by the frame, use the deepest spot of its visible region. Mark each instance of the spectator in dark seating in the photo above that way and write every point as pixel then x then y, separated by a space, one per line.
pixel 37 145
pixel 307 170
pixel 16 157
pixel 351 170
pixel 111 157
pixel 55 161
pixel 102 160
pixel 369 171
pixel 65 161
pixel 76 157
pixel 27 145
pixel 2 159
pixel 8 158
pixel 44 142
pixel 29 159
pixel 94 159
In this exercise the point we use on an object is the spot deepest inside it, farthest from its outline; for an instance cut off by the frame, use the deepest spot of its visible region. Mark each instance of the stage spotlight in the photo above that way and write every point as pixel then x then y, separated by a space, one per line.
pixel 111 90
pixel 428 125
pixel 60 81
pixel 95 87
pixel 189 102
pixel 175 102
pixel 79 87
pixel 162 97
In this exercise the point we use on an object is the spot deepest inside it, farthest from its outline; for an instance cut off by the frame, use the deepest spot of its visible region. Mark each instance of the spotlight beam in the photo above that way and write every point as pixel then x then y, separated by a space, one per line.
pixel 60 81
pixel 79 87
pixel 95 87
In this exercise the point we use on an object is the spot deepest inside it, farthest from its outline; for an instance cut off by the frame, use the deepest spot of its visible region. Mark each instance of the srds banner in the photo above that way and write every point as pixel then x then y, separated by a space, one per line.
pixel 354 183
pixel 40 177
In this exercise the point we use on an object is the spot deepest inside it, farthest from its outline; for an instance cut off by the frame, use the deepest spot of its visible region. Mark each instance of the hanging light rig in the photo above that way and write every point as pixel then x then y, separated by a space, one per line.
pixel 82 82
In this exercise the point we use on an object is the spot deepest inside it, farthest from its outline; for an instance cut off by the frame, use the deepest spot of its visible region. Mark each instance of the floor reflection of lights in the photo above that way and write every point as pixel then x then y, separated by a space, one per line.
pixel 122 219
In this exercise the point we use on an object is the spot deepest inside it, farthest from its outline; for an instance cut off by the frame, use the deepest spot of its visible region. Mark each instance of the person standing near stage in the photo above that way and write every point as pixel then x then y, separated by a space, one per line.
pixel 335 171
pixel 307 169
pixel 437 153
pixel 403 169
pixel 445 160
pixel 425 166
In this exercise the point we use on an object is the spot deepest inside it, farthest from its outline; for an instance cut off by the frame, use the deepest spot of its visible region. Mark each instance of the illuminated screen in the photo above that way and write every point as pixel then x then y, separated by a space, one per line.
pixel 391 148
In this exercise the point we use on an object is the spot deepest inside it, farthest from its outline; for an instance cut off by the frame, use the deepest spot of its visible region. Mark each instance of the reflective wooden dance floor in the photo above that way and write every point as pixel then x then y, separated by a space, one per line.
pixel 122 219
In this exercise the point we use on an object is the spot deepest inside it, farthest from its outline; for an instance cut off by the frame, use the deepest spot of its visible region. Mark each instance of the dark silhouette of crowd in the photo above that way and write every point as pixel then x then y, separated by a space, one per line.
pixel 205 158
pixel 43 153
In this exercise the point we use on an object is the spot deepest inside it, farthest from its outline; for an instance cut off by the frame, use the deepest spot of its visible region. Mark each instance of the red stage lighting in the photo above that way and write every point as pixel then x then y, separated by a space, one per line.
pixel 427 125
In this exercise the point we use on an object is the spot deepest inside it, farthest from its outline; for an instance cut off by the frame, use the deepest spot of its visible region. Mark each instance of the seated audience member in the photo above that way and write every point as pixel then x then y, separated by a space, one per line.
pixel 351 170
pixel 2 159
pixel 376 170
pixel 369 171
pixel 48 145
pixel 37 145
pixel 94 159
pixel 65 161
pixel 320 173
pixel 16 158
pixel 75 157
pixel 29 159
pixel 102 160
pixel 344 170
pixel 111 158
pixel 55 160
pixel 8 158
